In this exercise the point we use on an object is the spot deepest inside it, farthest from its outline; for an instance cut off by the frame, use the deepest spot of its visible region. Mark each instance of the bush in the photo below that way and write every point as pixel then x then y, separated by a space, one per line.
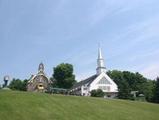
pixel 17 84
pixel 97 93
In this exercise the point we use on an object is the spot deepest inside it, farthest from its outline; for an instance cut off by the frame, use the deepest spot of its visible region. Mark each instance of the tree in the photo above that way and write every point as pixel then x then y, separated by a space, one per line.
pixel 128 81
pixel 63 76
pixel 24 85
pixel 97 93
pixel 124 90
pixel 116 75
pixel 148 90
pixel 156 91
pixel 123 86
pixel 17 84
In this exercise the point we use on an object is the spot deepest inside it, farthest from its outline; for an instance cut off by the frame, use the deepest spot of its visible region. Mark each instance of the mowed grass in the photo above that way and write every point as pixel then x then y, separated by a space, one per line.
pixel 37 106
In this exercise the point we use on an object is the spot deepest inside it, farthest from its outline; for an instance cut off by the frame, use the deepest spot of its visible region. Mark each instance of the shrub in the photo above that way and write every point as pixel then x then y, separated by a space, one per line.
pixel 97 93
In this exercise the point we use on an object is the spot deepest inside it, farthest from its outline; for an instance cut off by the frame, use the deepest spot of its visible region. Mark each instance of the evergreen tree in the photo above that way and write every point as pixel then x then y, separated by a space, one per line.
pixel 156 91
pixel 124 90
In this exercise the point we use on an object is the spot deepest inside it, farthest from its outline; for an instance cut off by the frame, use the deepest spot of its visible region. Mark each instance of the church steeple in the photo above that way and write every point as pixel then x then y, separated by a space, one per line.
pixel 100 62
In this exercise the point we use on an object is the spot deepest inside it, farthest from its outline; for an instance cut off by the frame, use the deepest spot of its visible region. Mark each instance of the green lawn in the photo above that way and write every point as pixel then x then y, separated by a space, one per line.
pixel 38 106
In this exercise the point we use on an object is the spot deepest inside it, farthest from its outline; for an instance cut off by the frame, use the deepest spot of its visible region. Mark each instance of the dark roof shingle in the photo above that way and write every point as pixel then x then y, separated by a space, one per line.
pixel 86 81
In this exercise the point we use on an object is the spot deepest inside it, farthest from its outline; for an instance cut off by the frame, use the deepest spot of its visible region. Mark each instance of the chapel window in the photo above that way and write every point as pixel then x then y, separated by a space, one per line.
pixel 104 81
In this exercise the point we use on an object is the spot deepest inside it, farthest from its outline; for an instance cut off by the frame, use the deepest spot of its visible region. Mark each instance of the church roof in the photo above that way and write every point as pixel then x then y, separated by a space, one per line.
pixel 86 81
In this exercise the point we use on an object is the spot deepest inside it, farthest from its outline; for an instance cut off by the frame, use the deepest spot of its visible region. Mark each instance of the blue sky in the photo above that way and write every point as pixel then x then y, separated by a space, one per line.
pixel 56 31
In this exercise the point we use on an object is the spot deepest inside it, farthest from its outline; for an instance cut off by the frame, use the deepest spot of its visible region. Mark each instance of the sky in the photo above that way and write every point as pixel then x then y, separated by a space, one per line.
pixel 69 31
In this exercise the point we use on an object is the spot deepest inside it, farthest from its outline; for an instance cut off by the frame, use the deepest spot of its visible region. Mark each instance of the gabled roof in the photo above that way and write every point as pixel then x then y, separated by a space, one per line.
pixel 38 74
pixel 86 81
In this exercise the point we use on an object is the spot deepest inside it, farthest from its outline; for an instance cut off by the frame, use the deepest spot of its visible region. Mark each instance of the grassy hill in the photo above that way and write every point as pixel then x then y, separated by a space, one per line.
pixel 37 106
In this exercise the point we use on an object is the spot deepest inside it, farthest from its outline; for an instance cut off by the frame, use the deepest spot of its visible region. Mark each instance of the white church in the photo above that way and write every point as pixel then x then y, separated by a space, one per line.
pixel 98 81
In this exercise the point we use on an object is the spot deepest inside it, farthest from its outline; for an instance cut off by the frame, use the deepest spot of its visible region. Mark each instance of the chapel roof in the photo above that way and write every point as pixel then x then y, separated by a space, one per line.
pixel 86 81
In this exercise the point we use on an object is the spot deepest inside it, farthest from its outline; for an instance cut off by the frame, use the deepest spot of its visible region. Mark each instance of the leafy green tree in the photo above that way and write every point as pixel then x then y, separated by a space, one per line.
pixel 97 93
pixel 17 84
pixel 116 75
pixel 63 76
pixel 128 81
pixel 123 86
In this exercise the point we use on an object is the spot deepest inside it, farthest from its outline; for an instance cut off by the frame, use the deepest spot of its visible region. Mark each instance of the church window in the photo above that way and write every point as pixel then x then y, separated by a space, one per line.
pixel 105 88
pixel 104 81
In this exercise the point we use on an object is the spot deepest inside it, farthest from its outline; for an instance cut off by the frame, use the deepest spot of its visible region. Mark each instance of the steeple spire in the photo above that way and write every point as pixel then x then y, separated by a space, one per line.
pixel 41 67
pixel 100 62
pixel 100 53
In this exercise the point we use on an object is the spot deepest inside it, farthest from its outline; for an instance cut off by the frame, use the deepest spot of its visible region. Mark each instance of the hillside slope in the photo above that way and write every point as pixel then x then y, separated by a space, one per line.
pixel 36 106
